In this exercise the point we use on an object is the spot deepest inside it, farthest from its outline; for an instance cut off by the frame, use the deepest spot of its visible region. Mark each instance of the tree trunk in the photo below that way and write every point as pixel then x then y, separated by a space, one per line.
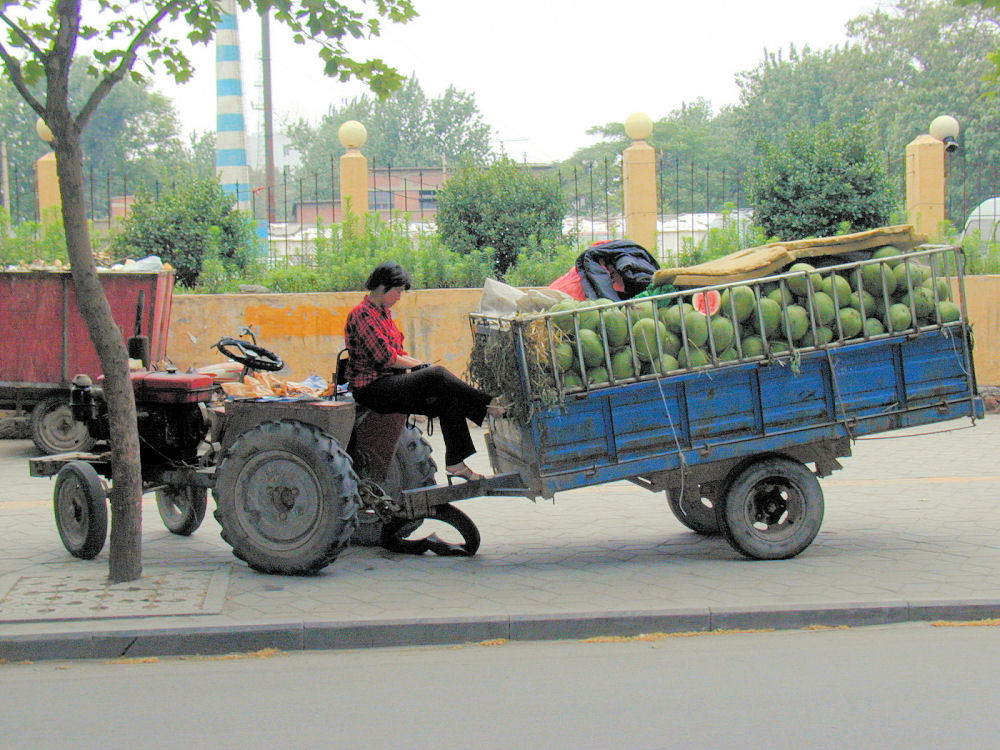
pixel 125 563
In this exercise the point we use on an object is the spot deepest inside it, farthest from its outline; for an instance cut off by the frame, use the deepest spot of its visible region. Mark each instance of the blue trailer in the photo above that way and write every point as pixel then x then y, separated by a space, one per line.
pixel 738 443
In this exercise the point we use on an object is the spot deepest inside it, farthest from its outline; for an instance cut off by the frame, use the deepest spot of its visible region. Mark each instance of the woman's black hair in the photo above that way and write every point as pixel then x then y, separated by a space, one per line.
pixel 388 275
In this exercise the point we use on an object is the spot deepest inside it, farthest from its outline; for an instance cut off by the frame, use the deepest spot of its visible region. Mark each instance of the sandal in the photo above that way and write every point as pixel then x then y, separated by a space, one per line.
pixel 463 472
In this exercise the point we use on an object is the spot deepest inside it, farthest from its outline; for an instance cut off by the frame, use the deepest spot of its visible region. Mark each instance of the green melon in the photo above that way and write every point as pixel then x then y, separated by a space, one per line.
pixel 593 349
pixel 794 322
pixel 769 315
pixel 563 322
pixel 778 347
pixel 898 318
pixel 839 285
pixel 671 342
pixel 695 328
pixel 572 381
pixel 921 301
pixel 643 310
pixel 752 346
pixel 943 287
pixel 873 327
pixel 737 301
pixel 590 319
pixel 948 311
pixel 723 333
pixel 850 322
pixel 564 356
pixel 622 366
pixel 823 335
pixel 644 333
pixel 865 298
pixel 782 295
pixel 671 316
pixel 799 284
pixel 889 251
pixel 823 308
pixel 616 326
pixel 597 376
pixel 875 275
pixel 919 273
pixel 692 357
pixel 729 355
pixel 668 363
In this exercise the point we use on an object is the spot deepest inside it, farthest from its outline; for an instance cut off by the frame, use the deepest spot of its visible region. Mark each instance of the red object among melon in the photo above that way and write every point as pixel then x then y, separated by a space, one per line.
pixel 714 302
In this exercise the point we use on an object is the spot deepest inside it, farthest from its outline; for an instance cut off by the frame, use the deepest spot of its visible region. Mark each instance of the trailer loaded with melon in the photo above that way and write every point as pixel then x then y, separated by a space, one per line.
pixel 733 398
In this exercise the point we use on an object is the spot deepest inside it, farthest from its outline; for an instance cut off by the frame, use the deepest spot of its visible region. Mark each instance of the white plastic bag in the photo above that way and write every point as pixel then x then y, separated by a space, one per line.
pixel 505 301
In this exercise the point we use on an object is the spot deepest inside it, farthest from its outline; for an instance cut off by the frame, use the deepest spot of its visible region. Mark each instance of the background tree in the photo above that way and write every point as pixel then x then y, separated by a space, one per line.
pixel 39 48
pixel 179 225
pixel 820 182
pixel 407 129
pixel 504 207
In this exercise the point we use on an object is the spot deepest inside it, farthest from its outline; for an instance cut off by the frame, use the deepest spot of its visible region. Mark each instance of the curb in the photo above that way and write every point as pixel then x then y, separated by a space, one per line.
pixel 300 636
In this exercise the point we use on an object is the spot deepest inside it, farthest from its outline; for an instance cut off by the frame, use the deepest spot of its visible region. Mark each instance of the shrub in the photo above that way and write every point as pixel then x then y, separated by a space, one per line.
pixel 821 181
pixel 504 207
pixel 179 229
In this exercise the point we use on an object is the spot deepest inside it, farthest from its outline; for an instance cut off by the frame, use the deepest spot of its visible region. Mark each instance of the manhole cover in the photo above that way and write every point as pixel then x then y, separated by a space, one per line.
pixel 87 594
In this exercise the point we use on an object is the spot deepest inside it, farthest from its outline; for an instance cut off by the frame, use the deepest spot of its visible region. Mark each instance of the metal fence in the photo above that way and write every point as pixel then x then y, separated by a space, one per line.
pixel 692 198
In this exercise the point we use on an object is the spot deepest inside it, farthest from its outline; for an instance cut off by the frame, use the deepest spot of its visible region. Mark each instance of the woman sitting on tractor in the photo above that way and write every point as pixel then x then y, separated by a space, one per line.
pixel 387 380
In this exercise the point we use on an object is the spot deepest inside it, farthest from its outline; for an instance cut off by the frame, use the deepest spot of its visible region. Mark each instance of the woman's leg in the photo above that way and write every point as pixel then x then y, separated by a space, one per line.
pixel 433 392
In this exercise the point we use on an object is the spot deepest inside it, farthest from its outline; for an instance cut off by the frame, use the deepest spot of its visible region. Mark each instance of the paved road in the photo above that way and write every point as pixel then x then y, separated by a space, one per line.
pixel 912 531
pixel 912 686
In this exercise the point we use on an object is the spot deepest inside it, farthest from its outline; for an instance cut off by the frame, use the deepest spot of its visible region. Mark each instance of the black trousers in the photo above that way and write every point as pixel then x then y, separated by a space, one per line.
pixel 432 392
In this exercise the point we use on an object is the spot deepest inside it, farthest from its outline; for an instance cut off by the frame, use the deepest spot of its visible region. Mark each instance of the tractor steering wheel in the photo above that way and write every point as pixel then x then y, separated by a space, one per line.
pixel 251 356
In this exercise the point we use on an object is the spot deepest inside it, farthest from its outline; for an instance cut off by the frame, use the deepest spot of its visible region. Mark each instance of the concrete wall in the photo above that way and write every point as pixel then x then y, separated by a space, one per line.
pixel 307 330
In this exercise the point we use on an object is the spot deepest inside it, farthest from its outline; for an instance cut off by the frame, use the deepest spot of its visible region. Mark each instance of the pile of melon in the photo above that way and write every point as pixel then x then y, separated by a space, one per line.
pixel 806 308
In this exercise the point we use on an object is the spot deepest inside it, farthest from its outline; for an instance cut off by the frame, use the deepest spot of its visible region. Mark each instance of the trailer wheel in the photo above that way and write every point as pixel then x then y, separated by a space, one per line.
pixel 80 503
pixel 412 466
pixel 772 510
pixel 53 429
pixel 695 509
pixel 182 508
pixel 287 498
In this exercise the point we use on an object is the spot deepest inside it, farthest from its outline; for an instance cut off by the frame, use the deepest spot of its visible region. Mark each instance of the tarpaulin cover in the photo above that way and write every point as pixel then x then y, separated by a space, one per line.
pixel 775 257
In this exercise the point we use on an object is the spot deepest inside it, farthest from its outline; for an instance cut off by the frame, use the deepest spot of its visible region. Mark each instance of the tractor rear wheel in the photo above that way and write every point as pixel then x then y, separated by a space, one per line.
pixel 412 466
pixel 287 498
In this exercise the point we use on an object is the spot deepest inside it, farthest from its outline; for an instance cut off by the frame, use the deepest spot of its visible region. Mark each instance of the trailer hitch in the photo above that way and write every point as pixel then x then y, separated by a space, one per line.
pixel 395 532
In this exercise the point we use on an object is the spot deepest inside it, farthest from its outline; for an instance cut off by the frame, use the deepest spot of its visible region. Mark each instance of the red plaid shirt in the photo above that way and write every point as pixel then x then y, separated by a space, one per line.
pixel 374 342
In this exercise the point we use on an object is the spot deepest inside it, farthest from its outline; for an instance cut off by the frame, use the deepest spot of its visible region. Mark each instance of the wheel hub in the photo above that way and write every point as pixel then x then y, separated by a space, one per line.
pixel 278 498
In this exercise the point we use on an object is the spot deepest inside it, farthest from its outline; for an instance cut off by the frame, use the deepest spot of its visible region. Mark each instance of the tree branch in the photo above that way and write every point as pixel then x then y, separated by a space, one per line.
pixel 17 78
pixel 24 37
pixel 128 60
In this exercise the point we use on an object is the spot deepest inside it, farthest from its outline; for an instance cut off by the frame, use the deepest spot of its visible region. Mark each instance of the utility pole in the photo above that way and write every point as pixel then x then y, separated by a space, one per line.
pixel 265 53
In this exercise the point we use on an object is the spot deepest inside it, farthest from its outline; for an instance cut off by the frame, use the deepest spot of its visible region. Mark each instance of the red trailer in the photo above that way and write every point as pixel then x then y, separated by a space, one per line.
pixel 44 342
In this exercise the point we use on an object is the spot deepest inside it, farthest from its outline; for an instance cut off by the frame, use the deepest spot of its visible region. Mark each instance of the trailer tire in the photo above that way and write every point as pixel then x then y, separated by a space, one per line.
pixel 411 466
pixel 692 510
pixel 182 508
pixel 53 429
pixel 772 509
pixel 80 503
pixel 287 498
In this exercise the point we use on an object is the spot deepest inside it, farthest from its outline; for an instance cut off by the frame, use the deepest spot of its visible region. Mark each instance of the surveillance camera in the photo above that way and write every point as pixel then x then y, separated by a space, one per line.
pixel 950 145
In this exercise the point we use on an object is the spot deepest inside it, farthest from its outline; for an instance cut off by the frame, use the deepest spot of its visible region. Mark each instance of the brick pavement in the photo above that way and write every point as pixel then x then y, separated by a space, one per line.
pixel 911 532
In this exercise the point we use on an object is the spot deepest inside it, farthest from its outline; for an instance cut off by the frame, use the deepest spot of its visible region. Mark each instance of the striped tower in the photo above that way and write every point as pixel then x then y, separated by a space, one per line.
pixel 230 138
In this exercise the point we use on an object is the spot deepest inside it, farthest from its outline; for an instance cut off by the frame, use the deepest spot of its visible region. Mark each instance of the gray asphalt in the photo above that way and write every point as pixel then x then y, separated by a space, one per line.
pixel 911 533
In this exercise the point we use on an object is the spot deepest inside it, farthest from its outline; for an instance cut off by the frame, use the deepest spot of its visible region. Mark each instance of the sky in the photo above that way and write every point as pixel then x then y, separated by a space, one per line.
pixel 542 71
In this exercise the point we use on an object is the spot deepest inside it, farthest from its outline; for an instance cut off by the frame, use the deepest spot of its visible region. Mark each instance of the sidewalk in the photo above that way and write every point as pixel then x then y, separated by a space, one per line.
pixel 912 532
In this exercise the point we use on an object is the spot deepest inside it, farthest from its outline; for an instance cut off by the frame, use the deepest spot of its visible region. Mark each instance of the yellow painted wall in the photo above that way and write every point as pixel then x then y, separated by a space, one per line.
pixel 307 330
pixel 982 297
